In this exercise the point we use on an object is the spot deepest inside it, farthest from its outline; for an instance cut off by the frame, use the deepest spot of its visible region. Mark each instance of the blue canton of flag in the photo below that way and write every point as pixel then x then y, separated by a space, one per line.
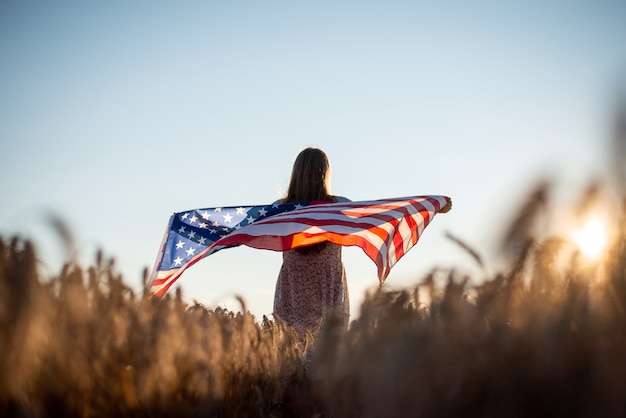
pixel 193 231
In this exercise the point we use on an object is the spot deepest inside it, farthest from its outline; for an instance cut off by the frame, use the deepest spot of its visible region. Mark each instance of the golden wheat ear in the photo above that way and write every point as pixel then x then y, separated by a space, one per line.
pixel 473 253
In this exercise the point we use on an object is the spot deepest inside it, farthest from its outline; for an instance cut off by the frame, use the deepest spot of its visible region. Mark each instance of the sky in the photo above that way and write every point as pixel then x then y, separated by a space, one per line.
pixel 114 115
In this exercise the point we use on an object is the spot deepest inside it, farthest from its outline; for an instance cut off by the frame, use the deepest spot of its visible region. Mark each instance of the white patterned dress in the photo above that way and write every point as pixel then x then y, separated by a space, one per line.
pixel 311 286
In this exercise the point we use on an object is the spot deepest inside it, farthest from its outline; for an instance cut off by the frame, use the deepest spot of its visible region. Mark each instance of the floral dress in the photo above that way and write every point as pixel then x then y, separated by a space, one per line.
pixel 311 286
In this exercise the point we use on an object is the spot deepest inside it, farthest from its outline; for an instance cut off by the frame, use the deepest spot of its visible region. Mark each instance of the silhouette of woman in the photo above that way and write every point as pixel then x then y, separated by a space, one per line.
pixel 312 283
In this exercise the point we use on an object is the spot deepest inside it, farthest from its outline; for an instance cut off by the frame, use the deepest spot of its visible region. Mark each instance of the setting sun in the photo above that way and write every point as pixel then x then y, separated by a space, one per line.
pixel 591 238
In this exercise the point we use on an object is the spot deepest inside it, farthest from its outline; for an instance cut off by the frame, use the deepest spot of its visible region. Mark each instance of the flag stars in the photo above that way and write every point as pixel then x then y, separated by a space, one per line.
pixel 192 235
pixel 241 211
pixel 262 212
pixel 217 209
pixel 203 225
pixel 184 216
pixel 213 231
pixel 250 219
pixel 193 219
pixel 180 245
pixel 228 218
pixel 205 215
pixel 178 261
pixel 202 241
pixel 190 251
pixel 216 224
pixel 181 230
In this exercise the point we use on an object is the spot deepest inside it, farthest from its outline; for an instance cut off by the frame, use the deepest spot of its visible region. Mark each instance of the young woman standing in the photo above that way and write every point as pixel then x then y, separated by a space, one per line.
pixel 312 283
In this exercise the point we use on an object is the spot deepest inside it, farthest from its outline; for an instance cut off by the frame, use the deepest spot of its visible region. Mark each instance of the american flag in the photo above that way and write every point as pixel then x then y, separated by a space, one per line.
pixel 385 229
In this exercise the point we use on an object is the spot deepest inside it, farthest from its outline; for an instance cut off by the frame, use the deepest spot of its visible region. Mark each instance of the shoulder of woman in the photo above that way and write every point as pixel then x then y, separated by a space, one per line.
pixel 338 199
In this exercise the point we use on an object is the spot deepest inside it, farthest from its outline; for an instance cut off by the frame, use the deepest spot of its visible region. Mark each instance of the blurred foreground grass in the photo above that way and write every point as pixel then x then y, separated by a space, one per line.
pixel 544 337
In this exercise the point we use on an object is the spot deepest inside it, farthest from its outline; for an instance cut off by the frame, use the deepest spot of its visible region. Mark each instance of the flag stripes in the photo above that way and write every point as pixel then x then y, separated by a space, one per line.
pixel 385 229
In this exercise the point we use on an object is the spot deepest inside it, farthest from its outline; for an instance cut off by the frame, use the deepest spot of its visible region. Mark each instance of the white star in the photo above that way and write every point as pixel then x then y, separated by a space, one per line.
pixel 213 231
pixel 215 223
pixel 181 230
pixel 184 216
pixel 202 241
pixel 240 211
pixel 190 251
pixel 205 215
pixel 262 212
pixel 178 261
pixel 180 245
pixel 298 206
pixel 193 219
pixel 218 209
pixel 228 218
pixel 275 205
pixel 237 226
pixel 192 235
pixel 224 229
pixel 202 225
pixel 250 219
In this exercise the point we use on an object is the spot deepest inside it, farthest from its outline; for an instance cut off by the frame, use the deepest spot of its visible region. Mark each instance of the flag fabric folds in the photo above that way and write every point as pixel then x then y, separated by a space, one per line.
pixel 385 229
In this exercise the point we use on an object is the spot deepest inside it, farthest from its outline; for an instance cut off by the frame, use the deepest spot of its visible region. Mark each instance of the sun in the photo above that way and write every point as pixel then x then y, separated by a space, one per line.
pixel 591 238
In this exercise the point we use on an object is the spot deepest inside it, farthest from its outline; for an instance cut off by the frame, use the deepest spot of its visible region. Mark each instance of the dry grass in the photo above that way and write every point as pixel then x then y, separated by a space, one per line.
pixel 82 344
pixel 545 337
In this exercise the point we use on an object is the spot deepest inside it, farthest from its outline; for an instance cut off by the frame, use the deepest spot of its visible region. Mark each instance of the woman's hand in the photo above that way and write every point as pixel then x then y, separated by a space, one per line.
pixel 447 206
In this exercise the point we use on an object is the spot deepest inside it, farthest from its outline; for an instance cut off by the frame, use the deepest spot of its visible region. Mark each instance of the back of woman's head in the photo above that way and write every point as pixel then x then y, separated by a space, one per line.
pixel 309 177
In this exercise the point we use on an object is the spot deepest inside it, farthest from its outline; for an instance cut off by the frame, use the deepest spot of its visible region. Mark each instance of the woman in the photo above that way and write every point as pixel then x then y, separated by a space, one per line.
pixel 312 284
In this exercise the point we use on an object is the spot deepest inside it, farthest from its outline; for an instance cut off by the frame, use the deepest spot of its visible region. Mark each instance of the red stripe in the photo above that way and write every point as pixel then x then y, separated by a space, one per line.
pixel 287 242
pixel 409 219
pixel 312 221
pixel 308 222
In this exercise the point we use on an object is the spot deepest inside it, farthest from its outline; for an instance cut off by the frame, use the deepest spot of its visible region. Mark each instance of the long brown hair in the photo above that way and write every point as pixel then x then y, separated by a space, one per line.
pixel 309 177
pixel 310 181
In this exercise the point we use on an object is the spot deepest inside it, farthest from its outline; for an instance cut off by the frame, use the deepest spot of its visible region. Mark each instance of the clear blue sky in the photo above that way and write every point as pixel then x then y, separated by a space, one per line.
pixel 115 114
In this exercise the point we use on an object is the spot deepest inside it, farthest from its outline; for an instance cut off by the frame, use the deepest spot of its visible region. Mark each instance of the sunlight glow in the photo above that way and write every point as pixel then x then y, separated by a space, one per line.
pixel 591 238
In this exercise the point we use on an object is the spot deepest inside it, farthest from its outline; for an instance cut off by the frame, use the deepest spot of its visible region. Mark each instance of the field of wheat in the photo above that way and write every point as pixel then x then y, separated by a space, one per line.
pixel 545 336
